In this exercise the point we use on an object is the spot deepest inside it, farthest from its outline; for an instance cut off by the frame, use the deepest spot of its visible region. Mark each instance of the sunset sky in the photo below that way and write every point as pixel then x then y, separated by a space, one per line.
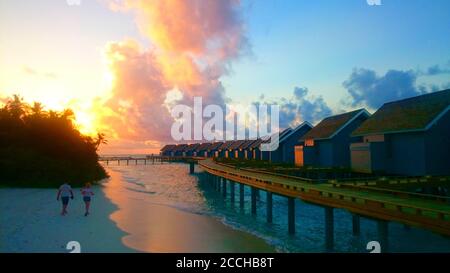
pixel 121 64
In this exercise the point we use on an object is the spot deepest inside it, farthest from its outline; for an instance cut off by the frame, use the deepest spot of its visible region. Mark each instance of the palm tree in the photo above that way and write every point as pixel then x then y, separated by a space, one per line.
pixel 100 140
pixel 16 107
pixel 37 109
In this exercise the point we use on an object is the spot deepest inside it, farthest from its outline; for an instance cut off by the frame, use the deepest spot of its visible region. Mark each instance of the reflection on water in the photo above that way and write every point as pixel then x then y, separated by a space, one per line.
pixel 170 186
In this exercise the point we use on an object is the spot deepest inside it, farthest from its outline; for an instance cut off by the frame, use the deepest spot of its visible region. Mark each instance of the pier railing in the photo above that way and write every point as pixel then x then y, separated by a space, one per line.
pixel 410 209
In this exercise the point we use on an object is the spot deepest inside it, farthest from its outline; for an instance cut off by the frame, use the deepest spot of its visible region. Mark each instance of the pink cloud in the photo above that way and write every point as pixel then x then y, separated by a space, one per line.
pixel 193 44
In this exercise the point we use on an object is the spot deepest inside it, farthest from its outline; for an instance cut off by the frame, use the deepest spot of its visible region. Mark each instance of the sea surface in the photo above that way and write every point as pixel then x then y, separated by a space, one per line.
pixel 171 186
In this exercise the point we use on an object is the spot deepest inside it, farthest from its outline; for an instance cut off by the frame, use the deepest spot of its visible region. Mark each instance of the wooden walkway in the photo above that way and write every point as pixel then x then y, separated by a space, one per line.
pixel 150 159
pixel 407 208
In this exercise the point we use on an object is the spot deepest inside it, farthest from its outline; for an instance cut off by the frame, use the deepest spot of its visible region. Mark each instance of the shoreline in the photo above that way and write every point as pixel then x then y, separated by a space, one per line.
pixel 30 222
pixel 168 229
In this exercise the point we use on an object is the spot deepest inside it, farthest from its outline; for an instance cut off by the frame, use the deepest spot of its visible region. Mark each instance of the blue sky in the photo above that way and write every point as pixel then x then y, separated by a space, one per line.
pixel 336 55
pixel 316 44
pixel 313 44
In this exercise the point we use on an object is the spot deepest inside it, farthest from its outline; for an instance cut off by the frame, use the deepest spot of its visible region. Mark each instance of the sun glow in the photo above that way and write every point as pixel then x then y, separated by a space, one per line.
pixel 85 122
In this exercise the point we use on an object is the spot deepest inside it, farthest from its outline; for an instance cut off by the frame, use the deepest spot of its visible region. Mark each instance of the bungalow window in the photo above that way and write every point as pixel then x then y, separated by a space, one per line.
pixel 236 154
pixel 309 142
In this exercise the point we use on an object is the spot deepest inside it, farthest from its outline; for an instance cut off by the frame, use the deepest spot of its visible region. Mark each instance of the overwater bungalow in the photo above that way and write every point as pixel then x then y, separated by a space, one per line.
pixel 222 150
pixel 252 149
pixel 267 155
pixel 213 149
pixel 406 137
pixel 233 149
pixel 179 150
pixel 243 151
pixel 167 150
pixel 202 150
pixel 190 149
pixel 288 139
pixel 328 143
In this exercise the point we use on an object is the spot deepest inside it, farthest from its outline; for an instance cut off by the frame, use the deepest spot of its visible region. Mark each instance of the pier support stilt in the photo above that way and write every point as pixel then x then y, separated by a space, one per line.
pixel 191 167
pixel 216 183
pixel 383 235
pixel 329 228
pixel 291 215
pixel 232 192
pixel 356 225
pixel 254 200
pixel 224 187
pixel 269 206
pixel 241 195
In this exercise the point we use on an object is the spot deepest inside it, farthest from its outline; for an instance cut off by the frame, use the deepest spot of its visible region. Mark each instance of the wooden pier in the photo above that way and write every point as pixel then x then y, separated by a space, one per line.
pixel 382 205
pixel 150 159
pixel 366 197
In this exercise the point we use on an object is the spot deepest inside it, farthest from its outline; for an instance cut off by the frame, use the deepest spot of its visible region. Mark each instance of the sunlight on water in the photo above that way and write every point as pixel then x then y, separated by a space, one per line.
pixel 171 185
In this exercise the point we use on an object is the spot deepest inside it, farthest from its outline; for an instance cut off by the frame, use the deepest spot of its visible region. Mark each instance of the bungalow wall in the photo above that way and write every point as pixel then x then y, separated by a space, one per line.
pixel 341 144
pixel 334 152
pixel 254 154
pixel 264 155
pixel 287 148
pixel 437 147
pixel 319 155
pixel 368 157
pixel 243 154
pixel 405 154
pixel 276 156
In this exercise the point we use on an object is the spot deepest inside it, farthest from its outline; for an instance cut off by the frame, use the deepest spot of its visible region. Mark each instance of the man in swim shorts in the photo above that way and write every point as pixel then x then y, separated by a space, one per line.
pixel 64 192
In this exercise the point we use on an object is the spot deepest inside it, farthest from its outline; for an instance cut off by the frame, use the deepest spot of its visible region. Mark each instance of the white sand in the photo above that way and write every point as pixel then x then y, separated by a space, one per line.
pixel 30 221
pixel 121 220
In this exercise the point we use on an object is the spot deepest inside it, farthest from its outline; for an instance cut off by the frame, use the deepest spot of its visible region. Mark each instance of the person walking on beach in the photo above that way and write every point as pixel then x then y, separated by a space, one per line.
pixel 64 192
pixel 87 192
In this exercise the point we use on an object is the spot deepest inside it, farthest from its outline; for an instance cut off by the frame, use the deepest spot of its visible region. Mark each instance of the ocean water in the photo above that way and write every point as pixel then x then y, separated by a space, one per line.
pixel 172 185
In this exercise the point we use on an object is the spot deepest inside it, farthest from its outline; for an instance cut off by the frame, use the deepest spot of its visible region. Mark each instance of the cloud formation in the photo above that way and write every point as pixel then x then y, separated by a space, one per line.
pixel 366 88
pixel 437 70
pixel 193 43
pixel 33 72
pixel 300 107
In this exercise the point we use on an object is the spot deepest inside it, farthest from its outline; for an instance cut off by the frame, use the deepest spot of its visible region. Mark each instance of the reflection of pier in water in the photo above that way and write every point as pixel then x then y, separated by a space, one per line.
pixel 364 197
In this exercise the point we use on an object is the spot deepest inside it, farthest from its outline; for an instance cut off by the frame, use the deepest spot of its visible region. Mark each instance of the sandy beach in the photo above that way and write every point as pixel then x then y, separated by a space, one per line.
pixel 121 220
pixel 161 208
pixel 154 227
pixel 30 221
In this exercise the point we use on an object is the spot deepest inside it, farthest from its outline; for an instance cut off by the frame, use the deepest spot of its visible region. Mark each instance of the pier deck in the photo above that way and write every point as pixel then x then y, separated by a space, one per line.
pixel 411 210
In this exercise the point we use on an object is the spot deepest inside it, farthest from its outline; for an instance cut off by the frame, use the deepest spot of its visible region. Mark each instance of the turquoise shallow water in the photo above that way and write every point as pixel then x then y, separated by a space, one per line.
pixel 171 185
